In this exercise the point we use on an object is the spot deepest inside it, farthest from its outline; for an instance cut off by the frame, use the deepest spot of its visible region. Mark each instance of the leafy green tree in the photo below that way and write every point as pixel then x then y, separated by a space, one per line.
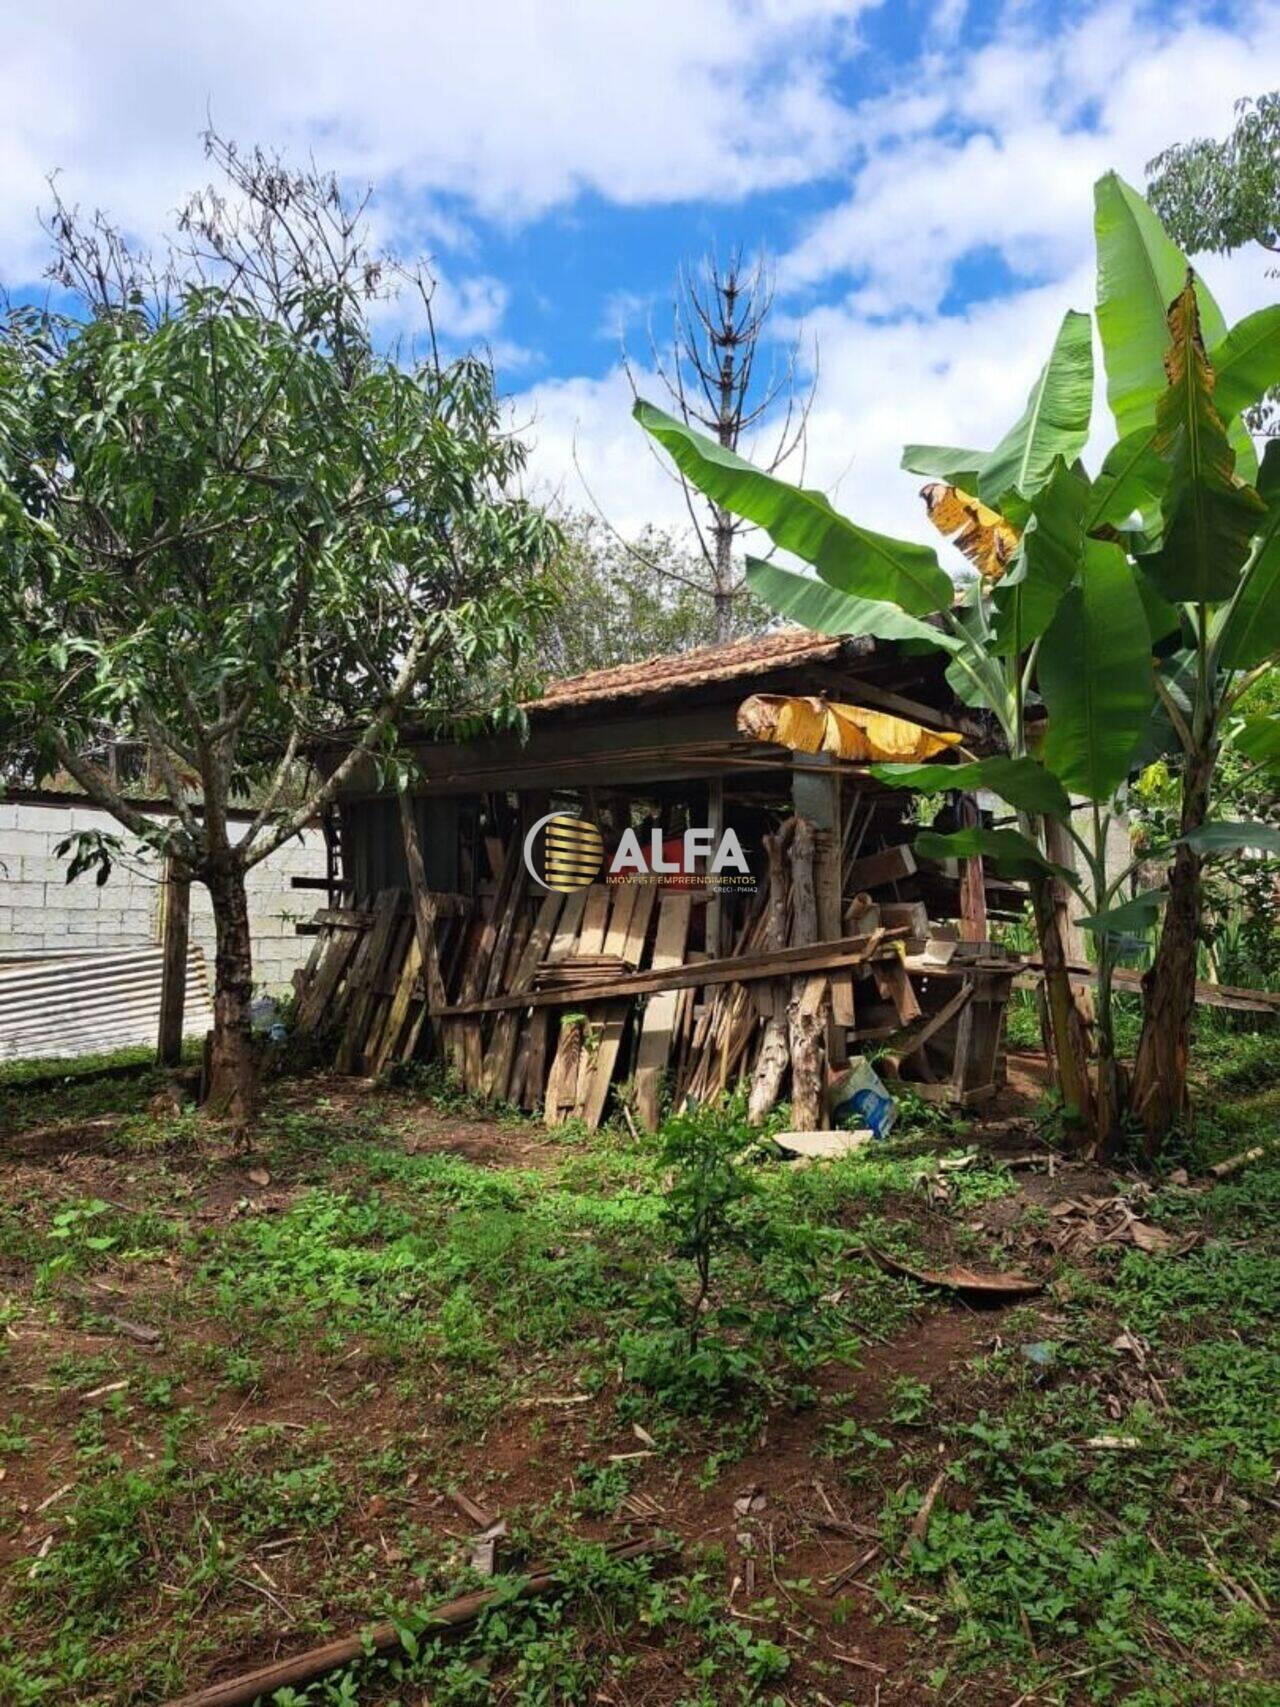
pixel 234 531
pixel 619 601
pixel 1222 196
pixel 1111 616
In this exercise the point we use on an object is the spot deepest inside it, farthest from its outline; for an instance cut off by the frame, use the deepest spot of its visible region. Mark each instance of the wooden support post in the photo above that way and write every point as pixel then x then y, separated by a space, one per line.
pixel 715 823
pixel 173 983
pixel 973 887
pixel 424 907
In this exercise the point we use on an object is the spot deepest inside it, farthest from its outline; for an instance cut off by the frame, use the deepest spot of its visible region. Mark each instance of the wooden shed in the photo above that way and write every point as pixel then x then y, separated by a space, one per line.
pixel 657 748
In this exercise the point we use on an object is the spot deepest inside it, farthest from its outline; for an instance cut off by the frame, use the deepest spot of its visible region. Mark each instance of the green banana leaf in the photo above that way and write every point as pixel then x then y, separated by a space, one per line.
pixel 1247 361
pixel 945 462
pixel 868 565
pixel 1136 915
pixel 1258 738
pixel 1222 838
pixel 1047 561
pixel 1133 477
pixel 1247 631
pixel 1025 784
pixel 1209 516
pixel 1140 271
pixel 1009 850
pixel 1055 422
pixel 1094 673
pixel 827 610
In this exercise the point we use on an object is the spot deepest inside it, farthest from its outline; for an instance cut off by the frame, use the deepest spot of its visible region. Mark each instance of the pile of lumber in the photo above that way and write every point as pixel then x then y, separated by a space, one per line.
pixel 558 1002
pixel 362 989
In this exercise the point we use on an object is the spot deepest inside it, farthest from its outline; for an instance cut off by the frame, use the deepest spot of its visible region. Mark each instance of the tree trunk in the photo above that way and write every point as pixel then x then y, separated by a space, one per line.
pixel 1070 1038
pixel 1159 1092
pixel 233 1077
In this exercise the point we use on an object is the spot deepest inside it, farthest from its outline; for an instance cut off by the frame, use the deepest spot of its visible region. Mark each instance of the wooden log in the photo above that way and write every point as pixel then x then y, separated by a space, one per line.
pixel 775 1051
pixel 300 1669
pixel 807 1033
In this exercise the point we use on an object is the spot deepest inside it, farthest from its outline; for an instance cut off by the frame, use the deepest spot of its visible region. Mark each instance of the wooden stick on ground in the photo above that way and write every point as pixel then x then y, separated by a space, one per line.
pixel 382 1638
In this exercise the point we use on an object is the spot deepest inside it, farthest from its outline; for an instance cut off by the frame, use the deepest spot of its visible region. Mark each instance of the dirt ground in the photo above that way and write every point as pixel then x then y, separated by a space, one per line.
pixel 106 1354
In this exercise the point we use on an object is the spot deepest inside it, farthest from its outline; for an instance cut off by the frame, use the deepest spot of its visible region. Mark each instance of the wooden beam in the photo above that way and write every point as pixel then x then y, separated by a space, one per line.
pixel 890 865
pixel 735 969
pixel 173 977
pixel 1231 996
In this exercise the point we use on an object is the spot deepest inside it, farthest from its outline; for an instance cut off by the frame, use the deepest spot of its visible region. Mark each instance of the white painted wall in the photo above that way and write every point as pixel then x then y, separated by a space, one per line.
pixel 39 909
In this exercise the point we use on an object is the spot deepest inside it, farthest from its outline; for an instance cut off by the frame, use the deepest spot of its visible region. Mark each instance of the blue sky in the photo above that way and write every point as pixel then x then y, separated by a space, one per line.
pixel 919 170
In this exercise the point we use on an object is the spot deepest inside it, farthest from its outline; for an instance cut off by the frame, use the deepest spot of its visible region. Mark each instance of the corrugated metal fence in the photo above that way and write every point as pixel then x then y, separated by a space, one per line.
pixel 77 1004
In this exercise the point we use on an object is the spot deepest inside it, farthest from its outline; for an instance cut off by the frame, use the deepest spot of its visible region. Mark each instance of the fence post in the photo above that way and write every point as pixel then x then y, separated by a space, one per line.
pixel 173 983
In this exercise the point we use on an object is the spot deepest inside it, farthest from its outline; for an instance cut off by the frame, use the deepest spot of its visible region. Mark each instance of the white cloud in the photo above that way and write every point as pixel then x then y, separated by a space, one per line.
pixel 894 368
pixel 514 105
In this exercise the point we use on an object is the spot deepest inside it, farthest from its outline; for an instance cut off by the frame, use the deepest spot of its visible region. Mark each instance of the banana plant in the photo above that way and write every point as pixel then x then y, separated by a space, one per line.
pixel 1103 607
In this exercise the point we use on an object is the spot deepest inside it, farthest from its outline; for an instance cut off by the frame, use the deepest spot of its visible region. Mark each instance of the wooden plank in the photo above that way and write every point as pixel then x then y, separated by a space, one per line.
pixel 339 948
pixel 400 1004
pixel 638 930
pixel 566 933
pixel 895 986
pixel 872 871
pixel 502 1048
pixel 659 1016
pixel 363 980
pixel 737 969
pixel 624 903
pixel 594 920
pixel 715 905
pixel 1236 998
pixel 614 1023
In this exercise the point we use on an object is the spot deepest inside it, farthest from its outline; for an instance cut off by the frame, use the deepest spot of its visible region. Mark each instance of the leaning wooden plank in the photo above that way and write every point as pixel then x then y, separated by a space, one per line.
pixel 424 904
pixel 502 1047
pixel 566 933
pixel 595 920
pixel 339 952
pixel 624 903
pixel 363 980
pixel 632 950
pixel 659 1016
pixel 815 957
pixel 400 1005
pixel 614 1023
pixel 385 991
pixel 807 1075
pixel 562 1081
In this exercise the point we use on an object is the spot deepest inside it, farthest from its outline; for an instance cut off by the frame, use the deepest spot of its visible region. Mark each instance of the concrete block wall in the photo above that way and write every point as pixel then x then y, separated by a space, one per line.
pixel 40 910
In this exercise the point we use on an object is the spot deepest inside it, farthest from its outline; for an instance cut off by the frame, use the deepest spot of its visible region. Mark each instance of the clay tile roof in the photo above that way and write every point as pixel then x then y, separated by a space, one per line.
pixel 676 671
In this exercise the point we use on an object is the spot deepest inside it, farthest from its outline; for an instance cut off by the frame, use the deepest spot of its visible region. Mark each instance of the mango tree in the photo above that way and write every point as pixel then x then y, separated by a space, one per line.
pixel 1105 610
pixel 232 527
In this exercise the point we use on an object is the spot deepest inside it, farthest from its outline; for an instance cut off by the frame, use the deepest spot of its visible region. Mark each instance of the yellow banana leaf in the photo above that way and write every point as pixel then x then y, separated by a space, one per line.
pixel 986 539
pixel 851 731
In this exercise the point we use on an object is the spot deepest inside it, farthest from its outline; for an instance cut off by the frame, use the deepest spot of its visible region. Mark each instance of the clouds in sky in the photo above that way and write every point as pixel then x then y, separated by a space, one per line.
pixel 941 186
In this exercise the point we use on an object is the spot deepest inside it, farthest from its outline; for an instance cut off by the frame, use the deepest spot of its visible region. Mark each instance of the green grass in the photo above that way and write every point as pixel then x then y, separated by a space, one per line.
pixel 397 1322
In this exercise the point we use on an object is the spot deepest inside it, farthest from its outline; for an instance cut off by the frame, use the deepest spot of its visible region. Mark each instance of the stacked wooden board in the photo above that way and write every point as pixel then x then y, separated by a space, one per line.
pixel 556 1002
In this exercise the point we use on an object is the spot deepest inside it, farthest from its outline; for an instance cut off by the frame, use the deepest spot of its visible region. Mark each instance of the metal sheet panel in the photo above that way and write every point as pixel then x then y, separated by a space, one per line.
pixel 64 1003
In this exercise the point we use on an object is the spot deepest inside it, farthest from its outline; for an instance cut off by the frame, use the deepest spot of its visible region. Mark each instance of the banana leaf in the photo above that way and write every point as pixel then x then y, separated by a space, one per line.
pixel 1094 674
pixel 868 565
pixel 1024 783
pixel 826 610
pixel 1140 272
pixel 1008 850
pixel 1209 516
pixel 1055 422
pixel 1247 631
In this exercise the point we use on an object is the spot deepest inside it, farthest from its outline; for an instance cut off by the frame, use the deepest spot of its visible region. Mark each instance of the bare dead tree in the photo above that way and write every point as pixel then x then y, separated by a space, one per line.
pixel 714 374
